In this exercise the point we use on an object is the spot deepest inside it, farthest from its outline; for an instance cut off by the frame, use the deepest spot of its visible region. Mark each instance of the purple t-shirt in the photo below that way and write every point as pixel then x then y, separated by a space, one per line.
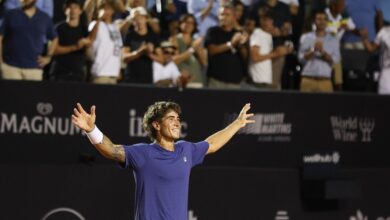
pixel 162 178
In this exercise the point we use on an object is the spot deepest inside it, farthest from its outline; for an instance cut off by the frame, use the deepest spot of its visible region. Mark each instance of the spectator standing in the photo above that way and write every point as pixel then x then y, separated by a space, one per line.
pixel 227 52
pixel 365 14
pixel 191 56
pixel 44 5
pixel 140 49
pixel 282 30
pixel 106 45
pixel 70 54
pixel 262 53
pixel 339 22
pixel 381 42
pixel 318 51
pixel 21 41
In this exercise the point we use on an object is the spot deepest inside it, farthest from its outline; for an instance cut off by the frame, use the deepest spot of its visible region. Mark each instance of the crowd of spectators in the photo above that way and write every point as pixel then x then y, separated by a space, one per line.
pixel 234 44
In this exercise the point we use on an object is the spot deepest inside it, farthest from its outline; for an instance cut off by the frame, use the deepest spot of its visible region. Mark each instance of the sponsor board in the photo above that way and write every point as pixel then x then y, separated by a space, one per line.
pixel 269 127
pixel 43 122
pixel 352 129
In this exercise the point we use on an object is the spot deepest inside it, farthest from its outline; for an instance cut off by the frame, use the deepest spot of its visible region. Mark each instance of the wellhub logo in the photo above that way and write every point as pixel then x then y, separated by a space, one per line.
pixel 270 127
pixel 322 158
pixel 352 129
pixel 41 123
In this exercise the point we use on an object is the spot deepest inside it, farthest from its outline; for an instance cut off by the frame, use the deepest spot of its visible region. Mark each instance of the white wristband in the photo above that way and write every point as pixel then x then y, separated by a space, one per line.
pixel 95 136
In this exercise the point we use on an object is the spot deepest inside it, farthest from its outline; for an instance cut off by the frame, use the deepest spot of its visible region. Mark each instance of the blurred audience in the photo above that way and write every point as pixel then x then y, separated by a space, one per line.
pixel 207 43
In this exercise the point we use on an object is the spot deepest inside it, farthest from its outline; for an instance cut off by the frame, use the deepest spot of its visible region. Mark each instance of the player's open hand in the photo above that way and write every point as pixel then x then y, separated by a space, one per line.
pixel 243 117
pixel 82 119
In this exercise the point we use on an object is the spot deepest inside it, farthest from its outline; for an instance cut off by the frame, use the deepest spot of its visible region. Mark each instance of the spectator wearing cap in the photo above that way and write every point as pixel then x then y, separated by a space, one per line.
pixel 106 45
pixel 70 54
pixel 21 37
pixel 227 52
pixel 318 51
pixel 191 56
pixel 140 49
pixel 166 73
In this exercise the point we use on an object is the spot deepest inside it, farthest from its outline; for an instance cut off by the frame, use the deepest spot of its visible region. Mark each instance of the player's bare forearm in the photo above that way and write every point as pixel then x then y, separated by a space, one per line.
pixel 111 150
pixel 220 138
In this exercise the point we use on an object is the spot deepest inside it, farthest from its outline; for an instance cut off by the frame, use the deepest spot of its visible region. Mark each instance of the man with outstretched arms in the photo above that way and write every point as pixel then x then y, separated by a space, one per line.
pixel 161 168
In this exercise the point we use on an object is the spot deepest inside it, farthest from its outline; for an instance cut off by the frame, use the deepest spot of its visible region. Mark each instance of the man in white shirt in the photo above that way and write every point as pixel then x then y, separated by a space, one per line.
pixel 167 74
pixel 381 42
pixel 106 46
pixel 262 53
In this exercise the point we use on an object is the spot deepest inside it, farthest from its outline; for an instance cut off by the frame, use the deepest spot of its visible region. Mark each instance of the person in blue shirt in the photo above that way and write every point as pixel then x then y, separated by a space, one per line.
pixel 162 168
pixel 46 6
pixel 22 36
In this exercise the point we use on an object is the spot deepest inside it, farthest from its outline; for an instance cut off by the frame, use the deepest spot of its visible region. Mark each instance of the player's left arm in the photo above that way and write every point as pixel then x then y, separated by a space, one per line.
pixel 220 138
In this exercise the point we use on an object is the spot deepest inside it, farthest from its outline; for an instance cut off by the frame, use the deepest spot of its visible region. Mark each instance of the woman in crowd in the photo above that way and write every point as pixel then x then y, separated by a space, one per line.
pixel 191 56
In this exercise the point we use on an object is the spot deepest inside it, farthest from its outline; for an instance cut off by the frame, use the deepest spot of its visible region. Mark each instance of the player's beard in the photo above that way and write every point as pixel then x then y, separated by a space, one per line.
pixel 28 6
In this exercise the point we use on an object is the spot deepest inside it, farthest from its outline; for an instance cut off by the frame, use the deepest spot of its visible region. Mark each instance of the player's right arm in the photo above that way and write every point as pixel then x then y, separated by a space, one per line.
pixel 86 122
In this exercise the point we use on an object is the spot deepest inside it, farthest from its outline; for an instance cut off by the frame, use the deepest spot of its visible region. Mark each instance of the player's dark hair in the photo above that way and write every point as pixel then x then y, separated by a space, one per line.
pixel 156 112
